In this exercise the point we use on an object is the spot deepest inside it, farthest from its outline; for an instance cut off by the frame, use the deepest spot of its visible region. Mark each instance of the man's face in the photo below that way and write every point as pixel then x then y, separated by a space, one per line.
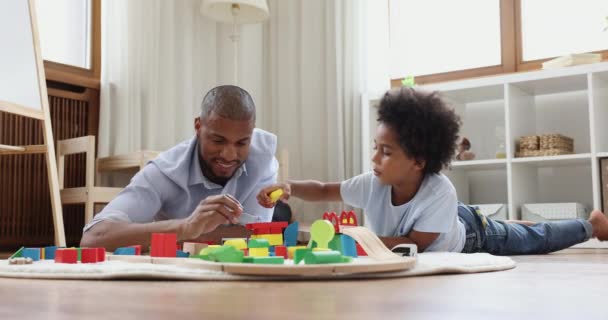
pixel 223 145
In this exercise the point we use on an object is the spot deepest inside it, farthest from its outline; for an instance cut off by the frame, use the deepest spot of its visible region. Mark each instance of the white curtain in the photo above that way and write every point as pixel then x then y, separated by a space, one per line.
pixel 313 82
pixel 158 60
pixel 304 67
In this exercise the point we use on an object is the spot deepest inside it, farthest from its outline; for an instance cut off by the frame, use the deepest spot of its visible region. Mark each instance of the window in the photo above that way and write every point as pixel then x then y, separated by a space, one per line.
pixel 425 40
pixel 65 31
pixel 567 27
pixel 441 40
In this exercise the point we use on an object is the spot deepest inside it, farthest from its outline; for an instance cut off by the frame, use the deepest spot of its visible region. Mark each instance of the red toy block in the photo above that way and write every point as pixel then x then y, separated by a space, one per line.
pixel 276 230
pixel 333 218
pixel 348 218
pixel 137 249
pixel 88 255
pixel 164 245
pixel 261 231
pixel 280 251
pixel 360 251
pixel 245 251
pixel 66 256
pixel 267 227
pixel 101 254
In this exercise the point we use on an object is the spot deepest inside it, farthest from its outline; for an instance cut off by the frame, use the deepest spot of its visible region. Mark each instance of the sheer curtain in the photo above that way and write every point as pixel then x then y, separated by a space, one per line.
pixel 158 60
pixel 313 76
pixel 305 68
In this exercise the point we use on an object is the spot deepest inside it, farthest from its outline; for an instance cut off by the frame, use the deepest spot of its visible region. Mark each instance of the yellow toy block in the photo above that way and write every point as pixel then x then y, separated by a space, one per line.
pixel 276 195
pixel 258 252
pixel 273 239
pixel 236 243
pixel 291 251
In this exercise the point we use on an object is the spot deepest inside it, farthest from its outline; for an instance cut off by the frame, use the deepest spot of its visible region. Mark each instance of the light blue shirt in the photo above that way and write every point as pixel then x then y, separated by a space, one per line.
pixel 434 209
pixel 172 185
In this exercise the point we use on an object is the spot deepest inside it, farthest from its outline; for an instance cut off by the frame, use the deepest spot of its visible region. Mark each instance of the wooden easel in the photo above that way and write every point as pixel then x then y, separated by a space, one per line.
pixel 23 90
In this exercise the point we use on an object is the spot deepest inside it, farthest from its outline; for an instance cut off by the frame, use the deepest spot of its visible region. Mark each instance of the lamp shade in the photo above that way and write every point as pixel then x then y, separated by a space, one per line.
pixel 235 11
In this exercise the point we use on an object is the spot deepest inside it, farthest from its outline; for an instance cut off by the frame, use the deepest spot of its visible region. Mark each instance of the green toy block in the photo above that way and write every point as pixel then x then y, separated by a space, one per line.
pixel 299 254
pixel 323 257
pixel 248 259
pixel 258 243
pixel 268 260
pixel 226 254
pixel 18 253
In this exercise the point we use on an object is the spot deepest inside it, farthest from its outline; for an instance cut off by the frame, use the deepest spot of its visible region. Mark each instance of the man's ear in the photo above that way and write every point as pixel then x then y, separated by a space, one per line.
pixel 197 125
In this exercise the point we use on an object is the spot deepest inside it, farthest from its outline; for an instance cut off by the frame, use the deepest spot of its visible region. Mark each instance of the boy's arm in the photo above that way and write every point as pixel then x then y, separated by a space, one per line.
pixel 421 239
pixel 308 190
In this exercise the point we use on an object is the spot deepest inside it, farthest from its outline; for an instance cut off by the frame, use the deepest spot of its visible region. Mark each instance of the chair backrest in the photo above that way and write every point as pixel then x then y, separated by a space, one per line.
pixel 85 145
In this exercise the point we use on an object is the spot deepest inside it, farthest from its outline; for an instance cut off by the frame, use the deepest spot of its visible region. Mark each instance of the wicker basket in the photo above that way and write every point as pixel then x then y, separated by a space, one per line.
pixel 556 141
pixel 542 153
pixel 529 143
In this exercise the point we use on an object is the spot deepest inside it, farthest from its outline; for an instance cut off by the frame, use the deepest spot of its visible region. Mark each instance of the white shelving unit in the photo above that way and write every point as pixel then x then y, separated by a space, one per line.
pixel 572 101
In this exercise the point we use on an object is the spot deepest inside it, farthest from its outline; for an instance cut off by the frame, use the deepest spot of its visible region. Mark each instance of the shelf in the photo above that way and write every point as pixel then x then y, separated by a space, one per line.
pixel 553 161
pixel 491 164
pixel 602 155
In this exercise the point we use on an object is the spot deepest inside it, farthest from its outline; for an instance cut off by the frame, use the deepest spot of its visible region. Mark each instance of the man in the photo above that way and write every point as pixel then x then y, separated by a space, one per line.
pixel 208 181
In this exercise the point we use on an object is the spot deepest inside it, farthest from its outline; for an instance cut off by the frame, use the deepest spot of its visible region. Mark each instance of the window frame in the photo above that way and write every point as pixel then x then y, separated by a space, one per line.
pixel 511 51
pixel 70 74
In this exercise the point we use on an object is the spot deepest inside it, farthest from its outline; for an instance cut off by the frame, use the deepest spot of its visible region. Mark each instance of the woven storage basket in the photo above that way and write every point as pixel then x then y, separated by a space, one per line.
pixel 541 153
pixel 556 141
pixel 529 142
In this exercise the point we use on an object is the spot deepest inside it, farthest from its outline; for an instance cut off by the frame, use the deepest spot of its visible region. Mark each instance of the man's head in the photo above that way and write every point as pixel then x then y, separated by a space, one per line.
pixel 417 129
pixel 224 131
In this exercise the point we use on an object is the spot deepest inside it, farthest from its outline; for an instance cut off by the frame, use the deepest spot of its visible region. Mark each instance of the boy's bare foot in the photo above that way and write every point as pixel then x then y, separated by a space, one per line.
pixel 600 225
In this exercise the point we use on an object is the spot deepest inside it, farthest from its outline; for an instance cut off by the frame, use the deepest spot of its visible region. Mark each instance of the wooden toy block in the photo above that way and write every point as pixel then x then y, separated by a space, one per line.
pixel 164 245
pixel 323 257
pixel 181 254
pixel 79 253
pixel 276 230
pixel 360 251
pixel 291 251
pixel 273 239
pixel 88 255
pixel 345 244
pixel 257 231
pixel 18 253
pixel 248 259
pixel 193 248
pixel 245 251
pixel 348 219
pixel 299 254
pixel 258 252
pixel 66 255
pixel 280 251
pixel 268 260
pixel 258 243
pixel 239 243
pixel 33 253
pixel 275 195
pixel 49 252
pixel 333 219
pixel 137 249
pixel 124 251
pixel 226 254
pixel 290 235
pixel 101 254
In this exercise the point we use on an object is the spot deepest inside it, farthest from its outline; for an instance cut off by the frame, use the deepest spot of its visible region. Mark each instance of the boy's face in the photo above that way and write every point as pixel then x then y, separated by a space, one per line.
pixel 223 145
pixel 390 162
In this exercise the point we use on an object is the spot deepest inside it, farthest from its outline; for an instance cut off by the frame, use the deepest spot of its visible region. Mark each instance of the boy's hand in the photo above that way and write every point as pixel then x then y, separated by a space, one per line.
pixel 209 214
pixel 264 198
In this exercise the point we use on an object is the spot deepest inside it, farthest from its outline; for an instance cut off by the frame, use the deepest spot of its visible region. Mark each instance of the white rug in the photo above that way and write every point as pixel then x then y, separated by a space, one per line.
pixel 428 263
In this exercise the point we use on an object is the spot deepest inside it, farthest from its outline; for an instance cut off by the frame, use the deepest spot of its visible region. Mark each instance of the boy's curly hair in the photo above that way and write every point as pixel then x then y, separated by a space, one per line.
pixel 426 126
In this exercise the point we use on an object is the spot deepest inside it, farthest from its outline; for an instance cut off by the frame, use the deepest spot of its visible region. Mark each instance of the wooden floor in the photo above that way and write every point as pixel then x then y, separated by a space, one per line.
pixel 570 284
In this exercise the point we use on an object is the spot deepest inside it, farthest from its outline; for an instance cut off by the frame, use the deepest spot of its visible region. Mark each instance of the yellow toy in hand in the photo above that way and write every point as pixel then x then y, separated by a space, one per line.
pixel 276 195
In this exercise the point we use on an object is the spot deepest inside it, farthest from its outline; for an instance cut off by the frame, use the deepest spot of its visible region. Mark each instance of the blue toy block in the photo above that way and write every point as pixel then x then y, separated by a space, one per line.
pixel 348 246
pixel 182 254
pixel 49 252
pixel 33 253
pixel 125 251
pixel 290 235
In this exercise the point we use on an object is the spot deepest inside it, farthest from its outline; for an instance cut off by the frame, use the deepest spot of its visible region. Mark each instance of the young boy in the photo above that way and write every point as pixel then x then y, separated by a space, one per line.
pixel 408 200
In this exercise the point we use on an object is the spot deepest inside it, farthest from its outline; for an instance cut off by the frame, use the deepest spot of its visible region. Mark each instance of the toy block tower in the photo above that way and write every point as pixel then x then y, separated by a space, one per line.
pixel 271 231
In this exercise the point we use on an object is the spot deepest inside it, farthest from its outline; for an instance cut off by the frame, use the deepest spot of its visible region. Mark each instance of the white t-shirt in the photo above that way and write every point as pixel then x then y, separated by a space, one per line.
pixel 434 208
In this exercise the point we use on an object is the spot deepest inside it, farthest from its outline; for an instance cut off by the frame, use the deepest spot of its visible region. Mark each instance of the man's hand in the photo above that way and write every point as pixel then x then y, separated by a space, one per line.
pixel 264 195
pixel 209 214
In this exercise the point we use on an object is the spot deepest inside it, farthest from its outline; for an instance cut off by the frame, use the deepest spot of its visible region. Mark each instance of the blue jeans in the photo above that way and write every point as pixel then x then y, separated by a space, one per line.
pixel 500 238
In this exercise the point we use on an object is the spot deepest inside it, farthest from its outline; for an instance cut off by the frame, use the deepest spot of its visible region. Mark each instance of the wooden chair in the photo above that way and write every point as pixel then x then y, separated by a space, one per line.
pixel 89 195
pixel 136 160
